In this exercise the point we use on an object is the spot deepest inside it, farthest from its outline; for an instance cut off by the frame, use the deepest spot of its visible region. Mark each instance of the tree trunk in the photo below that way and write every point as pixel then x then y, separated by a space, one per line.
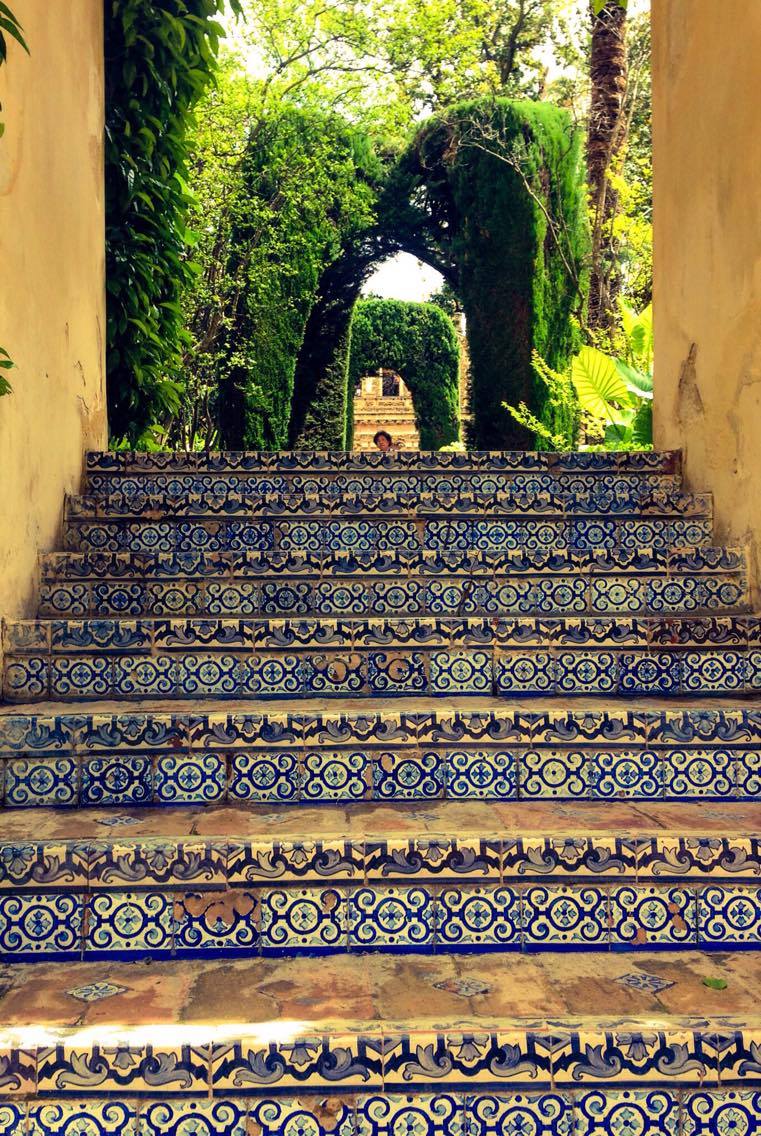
pixel 607 129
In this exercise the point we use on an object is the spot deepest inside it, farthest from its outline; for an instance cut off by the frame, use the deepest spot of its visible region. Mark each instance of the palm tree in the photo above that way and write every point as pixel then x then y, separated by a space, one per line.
pixel 605 139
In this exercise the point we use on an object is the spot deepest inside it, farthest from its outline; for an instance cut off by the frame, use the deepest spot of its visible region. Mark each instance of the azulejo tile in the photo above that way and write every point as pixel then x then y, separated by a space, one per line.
pixel 396 672
pixel 611 1112
pixel 131 923
pixel 12 1119
pixel 190 778
pixel 561 915
pixel 222 921
pixel 126 779
pixel 310 919
pixel 122 1070
pixel 391 1114
pixel 699 772
pixel 729 915
pixel 541 1114
pixel 392 918
pixel 626 773
pixel 229 1117
pixel 639 980
pixel 87 1117
pixel 517 673
pixel 725 1112
pixel 37 924
pixel 337 1061
pixel 33 782
pixel 652 916
pixel 464 672
pixel 18 1078
pixel 408 775
pixel 54 864
pixel 484 773
pixel 96 991
pixel 270 775
pixel 477 917
pixel 335 775
pixel 554 773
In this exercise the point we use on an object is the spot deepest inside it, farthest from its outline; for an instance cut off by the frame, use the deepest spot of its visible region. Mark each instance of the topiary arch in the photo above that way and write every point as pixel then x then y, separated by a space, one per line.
pixel 418 341
pixel 492 195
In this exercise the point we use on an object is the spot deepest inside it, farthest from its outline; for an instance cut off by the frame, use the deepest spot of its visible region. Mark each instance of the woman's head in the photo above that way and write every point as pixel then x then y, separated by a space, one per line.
pixel 383 441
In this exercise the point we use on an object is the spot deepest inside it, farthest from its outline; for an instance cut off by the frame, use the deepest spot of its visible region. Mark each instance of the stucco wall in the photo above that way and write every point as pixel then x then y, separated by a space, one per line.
pixel 51 277
pixel 707 177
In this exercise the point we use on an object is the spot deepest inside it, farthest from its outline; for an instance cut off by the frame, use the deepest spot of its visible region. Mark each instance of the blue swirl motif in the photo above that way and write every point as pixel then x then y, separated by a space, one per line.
pixel 101 1118
pixel 733 1112
pixel 519 1114
pixel 197 1118
pixel 634 1112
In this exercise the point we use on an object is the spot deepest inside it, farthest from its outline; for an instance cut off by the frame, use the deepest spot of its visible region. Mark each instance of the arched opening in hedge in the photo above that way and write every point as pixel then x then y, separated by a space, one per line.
pixel 491 195
pixel 419 342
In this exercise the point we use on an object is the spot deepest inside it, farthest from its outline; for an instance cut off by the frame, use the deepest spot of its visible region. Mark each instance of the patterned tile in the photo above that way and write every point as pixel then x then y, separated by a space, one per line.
pixel 127 922
pixel 468 917
pixel 36 924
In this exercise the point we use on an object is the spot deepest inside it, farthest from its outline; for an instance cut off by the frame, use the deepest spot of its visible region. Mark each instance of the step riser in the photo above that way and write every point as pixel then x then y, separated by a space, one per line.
pixel 320 918
pixel 346 565
pixel 142 759
pixel 373 535
pixel 299 658
pixel 339 484
pixel 331 461
pixel 602 501
pixel 529 595
pixel 461 1108
pixel 292 776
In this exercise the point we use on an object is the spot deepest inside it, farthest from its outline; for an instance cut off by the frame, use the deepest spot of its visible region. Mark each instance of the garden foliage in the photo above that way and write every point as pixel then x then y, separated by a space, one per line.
pixel 504 194
pixel 419 342
pixel 160 58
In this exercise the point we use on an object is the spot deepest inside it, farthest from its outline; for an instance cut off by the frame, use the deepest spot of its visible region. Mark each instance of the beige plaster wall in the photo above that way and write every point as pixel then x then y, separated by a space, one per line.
pixel 707 178
pixel 52 300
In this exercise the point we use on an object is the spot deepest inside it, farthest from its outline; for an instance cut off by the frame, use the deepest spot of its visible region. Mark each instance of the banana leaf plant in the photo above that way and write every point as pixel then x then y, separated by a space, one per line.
pixel 618 392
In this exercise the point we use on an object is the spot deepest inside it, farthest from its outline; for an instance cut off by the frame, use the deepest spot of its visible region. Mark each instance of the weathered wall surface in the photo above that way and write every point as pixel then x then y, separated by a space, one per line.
pixel 52 300
pixel 707 172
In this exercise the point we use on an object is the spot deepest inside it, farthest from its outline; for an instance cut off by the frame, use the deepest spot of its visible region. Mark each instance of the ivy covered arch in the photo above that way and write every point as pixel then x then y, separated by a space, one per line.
pixel 491 194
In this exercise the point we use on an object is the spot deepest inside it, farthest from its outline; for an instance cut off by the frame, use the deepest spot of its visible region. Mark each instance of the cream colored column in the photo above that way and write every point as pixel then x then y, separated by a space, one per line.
pixel 707 188
pixel 52 294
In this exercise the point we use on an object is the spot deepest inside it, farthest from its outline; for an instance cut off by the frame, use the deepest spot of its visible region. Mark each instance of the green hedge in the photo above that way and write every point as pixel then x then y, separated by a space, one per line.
pixel 418 341
pixel 488 217
pixel 306 184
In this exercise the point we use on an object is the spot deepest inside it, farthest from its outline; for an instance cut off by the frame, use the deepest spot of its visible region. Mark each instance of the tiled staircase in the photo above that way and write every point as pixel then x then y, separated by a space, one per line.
pixel 465 758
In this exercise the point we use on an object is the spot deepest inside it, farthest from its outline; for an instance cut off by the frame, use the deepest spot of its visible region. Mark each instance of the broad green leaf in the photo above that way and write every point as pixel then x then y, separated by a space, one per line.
pixel 715 983
pixel 642 426
pixel 637 382
pixel 598 383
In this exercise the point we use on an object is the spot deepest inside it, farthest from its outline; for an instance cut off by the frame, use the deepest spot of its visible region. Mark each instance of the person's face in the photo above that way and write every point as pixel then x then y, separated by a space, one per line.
pixel 383 444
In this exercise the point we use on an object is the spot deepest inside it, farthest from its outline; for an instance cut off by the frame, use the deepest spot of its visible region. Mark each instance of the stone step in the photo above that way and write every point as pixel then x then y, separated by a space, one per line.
pixel 603 500
pixel 337 483
pixel 567 582
pixel 368 1046
pixel 468 880
pixel 172 533
pixel 378 751
pixel 345 481
pixel 73 659
pixel 310 461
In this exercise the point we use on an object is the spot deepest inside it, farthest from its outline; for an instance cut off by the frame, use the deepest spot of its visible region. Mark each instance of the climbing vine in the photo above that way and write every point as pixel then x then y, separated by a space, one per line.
pixel 160 58
pixel 9 26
